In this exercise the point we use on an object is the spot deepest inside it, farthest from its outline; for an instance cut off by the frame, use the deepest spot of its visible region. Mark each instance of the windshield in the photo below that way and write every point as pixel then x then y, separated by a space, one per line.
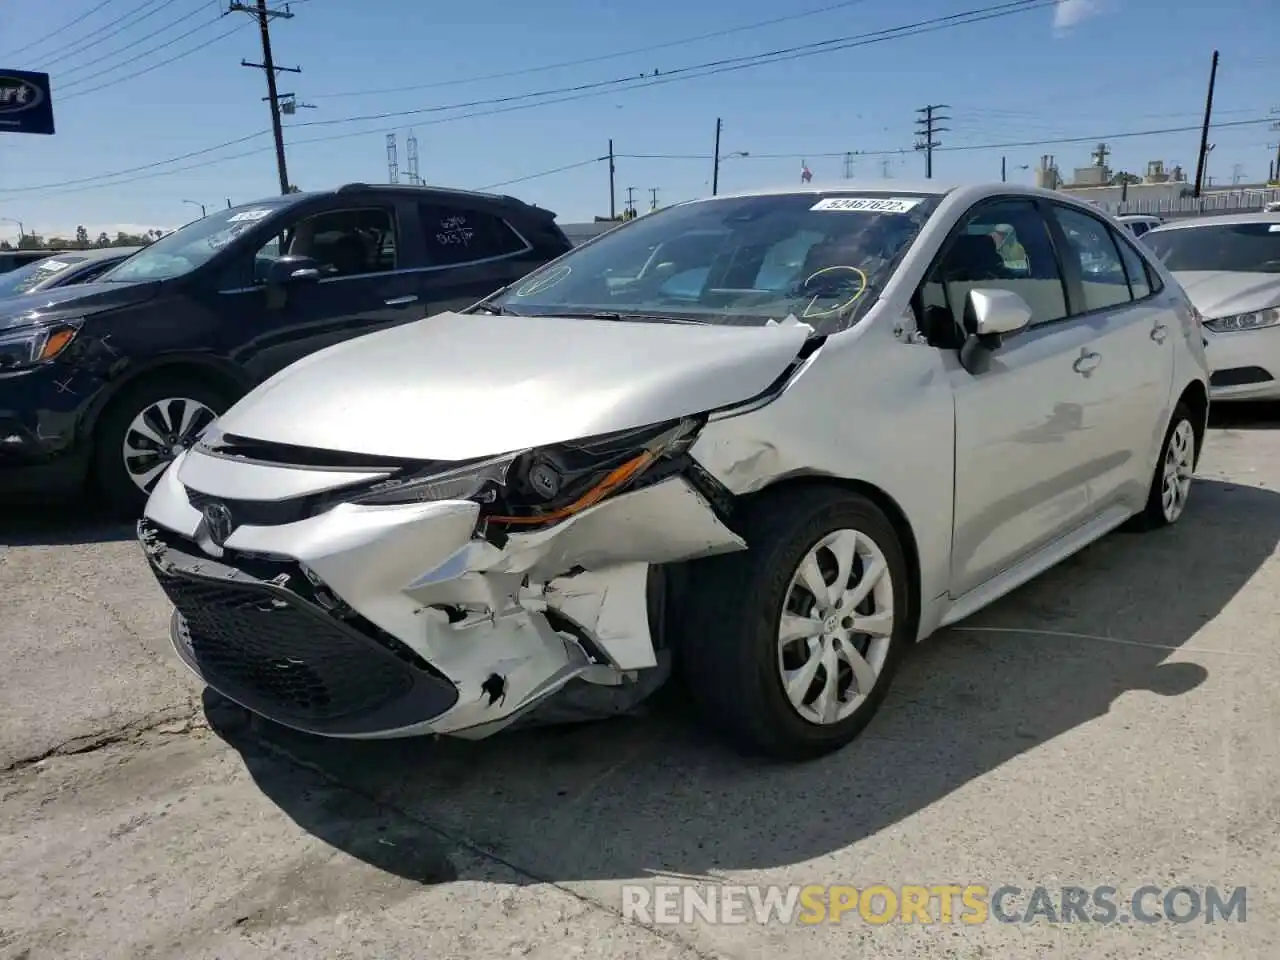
pixel 20 281
pixel 1233 247
pixel 192 246
pixel 735 261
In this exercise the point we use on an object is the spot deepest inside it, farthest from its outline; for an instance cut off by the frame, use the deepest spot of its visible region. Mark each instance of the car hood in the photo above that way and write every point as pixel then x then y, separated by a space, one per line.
pixel 77 300
pixel 1220 293
pixel 457 386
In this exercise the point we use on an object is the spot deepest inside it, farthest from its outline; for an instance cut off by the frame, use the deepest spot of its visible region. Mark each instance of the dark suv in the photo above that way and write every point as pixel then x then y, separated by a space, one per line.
pixel 109 380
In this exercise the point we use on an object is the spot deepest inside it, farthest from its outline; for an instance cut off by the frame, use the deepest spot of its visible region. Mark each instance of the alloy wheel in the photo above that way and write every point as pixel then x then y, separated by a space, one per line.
pixel 1179 464
pixel 836 626
pixel 158 434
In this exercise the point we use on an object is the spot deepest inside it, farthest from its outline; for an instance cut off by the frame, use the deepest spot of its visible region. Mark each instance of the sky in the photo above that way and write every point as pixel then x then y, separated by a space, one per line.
pixel 146 92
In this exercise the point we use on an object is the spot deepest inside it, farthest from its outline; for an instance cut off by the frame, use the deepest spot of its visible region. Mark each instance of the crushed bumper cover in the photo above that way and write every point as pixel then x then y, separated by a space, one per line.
pixel 397 621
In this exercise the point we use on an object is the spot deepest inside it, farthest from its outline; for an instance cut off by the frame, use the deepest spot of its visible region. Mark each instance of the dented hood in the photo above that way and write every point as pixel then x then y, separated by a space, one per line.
pixel 455 386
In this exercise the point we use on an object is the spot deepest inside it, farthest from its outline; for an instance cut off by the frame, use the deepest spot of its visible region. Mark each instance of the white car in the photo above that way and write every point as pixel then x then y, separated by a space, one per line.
pixel 1230 268
pixel 1139 223
pixel 767 440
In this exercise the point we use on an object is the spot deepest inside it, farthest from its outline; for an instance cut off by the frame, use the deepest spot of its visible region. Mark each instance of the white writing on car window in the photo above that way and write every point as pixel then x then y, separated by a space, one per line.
pixel 454 232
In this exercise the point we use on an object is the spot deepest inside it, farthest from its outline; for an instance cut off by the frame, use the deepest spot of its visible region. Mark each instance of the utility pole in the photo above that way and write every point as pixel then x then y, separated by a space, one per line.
pixel 613 192
pixel 264 16
pixel 885 166
pixel 1003 171
pixel 715 167
pixel 848 165
pixel 653 199
pixel 630 212
pixel 1275 174
pixel 1204 130
pixel 928 129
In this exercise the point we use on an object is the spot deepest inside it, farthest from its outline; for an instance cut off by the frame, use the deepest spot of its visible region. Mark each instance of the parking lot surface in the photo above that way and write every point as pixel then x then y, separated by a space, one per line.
pixel 1113 723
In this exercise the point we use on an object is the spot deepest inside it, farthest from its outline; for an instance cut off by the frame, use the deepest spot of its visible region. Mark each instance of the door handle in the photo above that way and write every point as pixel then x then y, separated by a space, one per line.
pixel 1086 363
pixel 402 301
pixel 1159 332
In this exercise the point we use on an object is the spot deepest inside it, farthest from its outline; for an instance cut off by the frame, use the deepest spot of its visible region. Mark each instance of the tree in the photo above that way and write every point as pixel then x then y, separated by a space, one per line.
pixel 5 245
pixel 103 240
pixel 82 236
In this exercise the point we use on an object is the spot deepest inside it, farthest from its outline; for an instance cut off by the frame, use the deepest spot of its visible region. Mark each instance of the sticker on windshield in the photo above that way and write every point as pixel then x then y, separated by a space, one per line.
pixel 868 204
pixel 248 216
pixel 54 265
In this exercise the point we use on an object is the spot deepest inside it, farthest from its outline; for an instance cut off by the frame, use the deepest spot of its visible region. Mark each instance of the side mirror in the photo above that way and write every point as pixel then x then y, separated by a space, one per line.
pixel 290 270
pixel 990 316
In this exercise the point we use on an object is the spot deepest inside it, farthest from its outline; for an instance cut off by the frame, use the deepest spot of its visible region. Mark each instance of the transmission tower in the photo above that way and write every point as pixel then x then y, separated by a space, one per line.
pixel 928 130
pixel 411 147
pixel 263 15
pixel 393 168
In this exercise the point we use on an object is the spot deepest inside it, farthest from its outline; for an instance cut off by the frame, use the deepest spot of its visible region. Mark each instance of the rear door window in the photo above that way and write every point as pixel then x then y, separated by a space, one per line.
pixel 457 235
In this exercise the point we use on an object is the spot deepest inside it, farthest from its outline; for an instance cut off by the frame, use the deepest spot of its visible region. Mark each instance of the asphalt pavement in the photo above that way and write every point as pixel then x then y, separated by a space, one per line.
pixel 1113 723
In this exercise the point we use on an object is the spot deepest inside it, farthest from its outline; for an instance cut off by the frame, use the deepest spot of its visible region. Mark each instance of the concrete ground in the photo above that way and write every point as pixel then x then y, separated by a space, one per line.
pixel 1114 723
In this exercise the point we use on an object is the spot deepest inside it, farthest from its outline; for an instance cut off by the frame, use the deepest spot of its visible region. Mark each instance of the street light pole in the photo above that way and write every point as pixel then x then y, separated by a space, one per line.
pixel 22 231
pixel 196 203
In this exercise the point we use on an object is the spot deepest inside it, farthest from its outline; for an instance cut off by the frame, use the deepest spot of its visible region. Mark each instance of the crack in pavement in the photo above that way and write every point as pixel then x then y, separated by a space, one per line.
pixel 465 843
pixel 186 717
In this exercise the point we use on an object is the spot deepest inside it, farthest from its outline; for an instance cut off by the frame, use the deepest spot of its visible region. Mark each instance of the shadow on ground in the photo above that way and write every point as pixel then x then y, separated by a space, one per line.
pixel 632 796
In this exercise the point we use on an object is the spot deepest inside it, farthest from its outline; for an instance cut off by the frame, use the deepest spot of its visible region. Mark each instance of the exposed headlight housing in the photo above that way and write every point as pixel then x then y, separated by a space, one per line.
pixel 1253 320
pixel 36 344
pixel 542 486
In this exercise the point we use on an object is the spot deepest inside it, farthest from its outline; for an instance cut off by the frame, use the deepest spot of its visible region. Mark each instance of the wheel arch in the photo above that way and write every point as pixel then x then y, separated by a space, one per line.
pixel 219 374
pixel 1196 396
pixel 877 495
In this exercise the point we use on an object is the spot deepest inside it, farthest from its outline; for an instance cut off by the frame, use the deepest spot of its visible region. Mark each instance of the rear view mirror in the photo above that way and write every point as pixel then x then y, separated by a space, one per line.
pixel 990 316
pixel 290 269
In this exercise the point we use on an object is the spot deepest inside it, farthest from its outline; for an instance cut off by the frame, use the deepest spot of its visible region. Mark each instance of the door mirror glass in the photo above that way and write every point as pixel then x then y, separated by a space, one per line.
pixel 291 270
pixel 997 313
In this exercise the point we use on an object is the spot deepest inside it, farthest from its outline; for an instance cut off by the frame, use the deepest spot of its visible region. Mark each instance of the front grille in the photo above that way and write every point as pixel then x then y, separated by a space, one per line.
pixel 1238 376
pixel 259 647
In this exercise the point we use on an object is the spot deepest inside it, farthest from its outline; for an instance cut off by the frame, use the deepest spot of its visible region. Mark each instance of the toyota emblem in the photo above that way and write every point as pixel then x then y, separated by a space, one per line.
pixel 217 520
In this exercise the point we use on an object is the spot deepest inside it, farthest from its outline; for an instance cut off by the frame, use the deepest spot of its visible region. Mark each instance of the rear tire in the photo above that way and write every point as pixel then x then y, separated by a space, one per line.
pixel 1172 481
pixel 736 661
pixel 145 426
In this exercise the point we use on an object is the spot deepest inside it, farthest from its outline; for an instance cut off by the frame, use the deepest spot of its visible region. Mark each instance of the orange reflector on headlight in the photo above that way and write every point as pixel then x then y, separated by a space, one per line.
pixel 57 341
pixel 614 479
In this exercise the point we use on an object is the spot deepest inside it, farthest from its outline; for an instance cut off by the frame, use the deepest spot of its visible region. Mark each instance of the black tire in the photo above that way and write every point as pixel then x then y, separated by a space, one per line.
pixel 730 630
pixel 1153 515
pixel 111 477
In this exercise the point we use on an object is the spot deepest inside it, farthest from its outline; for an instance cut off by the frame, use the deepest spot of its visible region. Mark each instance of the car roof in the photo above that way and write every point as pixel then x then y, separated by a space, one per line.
pixel 1221 220
pixel 965 192
pixel 424 191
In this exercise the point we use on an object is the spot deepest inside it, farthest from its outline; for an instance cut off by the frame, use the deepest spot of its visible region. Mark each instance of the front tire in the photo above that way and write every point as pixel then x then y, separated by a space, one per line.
pixel 1172 480
pixel 145 427
pixel 790 646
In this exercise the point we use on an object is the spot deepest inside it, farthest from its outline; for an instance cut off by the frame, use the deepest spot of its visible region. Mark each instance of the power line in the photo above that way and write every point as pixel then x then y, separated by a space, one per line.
pixel 1093 138
pixel 66 26
pixel 679 75
pixel 601 58
pixel 123 23
pixel 155 66
pixel 543 173
pixel 729 64
pixel 128 46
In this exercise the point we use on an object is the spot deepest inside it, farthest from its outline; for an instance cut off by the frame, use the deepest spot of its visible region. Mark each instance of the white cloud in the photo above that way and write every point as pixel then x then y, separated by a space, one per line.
pixel 1071 13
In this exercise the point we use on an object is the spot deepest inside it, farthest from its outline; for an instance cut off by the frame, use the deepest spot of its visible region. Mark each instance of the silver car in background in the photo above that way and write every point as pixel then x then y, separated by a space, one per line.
pixel 766 441
pixel 1230 268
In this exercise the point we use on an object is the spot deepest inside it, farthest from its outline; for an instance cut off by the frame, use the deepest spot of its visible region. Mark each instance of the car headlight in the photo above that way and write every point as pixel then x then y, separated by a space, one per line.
pixel 28 346
pixel 542 486
pixel 1253 320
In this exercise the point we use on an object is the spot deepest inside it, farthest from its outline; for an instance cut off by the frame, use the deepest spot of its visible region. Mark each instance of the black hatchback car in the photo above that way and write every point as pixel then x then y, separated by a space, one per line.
pixel 107 381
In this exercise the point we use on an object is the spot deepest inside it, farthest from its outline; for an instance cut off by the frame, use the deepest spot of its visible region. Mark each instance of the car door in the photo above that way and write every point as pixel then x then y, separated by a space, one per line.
pixel 1132 330
pixel 471 252
pixel 1023 424
pixel 361 288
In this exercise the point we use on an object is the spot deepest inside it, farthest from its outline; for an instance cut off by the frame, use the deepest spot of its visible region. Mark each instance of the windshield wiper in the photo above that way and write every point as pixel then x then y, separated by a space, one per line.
pixel 607 315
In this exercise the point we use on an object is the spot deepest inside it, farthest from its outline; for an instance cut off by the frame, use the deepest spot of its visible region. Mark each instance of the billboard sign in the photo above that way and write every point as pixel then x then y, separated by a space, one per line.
pixel 25 103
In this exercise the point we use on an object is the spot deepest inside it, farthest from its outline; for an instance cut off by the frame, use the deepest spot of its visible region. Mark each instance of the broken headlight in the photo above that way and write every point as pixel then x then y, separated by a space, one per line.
pixel 545 485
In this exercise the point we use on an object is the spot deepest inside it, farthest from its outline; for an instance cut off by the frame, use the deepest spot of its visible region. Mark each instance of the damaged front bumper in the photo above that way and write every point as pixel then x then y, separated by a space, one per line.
pixel 389 621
